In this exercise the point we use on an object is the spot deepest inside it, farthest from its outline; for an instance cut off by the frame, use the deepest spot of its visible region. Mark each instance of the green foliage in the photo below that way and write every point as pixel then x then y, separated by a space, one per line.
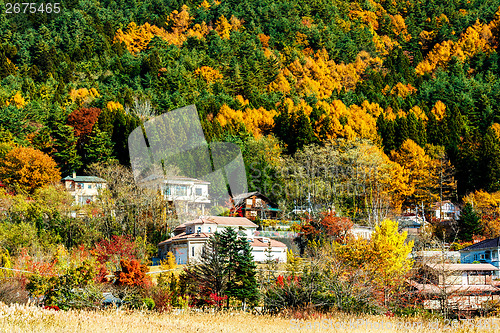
pixel 469 223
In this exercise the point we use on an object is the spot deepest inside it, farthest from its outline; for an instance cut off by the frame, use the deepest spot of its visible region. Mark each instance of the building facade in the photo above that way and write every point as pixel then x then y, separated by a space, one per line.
pixel 188 195
pixel 84 189
pixel 487 251
pixel 190 237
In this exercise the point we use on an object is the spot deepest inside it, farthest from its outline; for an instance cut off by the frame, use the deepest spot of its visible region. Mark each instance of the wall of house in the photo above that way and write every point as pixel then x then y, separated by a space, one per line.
pixel 277 253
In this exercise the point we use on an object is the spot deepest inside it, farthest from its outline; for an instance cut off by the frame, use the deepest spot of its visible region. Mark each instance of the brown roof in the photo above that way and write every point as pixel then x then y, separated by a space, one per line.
pixel 220 220
pixel 464 267
pixel 184 236
pixel 257 242
pixel 432 288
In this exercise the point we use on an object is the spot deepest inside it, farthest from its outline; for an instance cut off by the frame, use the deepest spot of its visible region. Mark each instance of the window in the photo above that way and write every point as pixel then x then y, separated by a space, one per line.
pixel 80 185
pixel 249 202
pixel 198 191
pixel 199 229
pixel 98 186
pixel 168 190
pixel 487 255
pixel 494 254
pixel 209 229
pixel 89 186
pixel 192 251
pixel 181 191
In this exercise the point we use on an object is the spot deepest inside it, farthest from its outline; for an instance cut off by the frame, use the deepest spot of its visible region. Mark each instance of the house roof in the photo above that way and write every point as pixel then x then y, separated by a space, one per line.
pixel 184 236
pixel 219 220
pixel 259 242
pixel 437 205
pixel 487 243
pixel 464 267
pixel 434 289
pixel 173 179
pixel 238 199
pixel 85 179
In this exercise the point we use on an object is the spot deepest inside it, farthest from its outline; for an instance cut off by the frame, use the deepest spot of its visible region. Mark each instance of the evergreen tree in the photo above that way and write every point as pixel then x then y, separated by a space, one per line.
pixel 99 147
pixel 66 154
pixel 469 223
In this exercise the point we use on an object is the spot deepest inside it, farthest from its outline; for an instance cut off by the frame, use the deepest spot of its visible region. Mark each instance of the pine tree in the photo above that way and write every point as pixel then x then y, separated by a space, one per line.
pixel 99 147
pixel 66 154
pixel 469 223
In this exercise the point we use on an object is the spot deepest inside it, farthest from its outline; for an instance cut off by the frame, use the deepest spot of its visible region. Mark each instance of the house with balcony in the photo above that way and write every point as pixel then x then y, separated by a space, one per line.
pixel 189 195
pixel 487 251
pixel 189 238
pixel 458 287
pixel 84 189
pixel 445 211
pixel 254 205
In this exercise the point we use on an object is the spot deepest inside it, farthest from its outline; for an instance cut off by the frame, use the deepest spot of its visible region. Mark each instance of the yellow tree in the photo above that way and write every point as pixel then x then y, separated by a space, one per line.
pixel 418 167
pixel 387 256
pixel 27 169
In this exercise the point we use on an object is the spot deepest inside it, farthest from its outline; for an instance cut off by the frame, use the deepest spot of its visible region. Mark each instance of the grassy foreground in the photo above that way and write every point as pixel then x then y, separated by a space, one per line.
pixel 27 318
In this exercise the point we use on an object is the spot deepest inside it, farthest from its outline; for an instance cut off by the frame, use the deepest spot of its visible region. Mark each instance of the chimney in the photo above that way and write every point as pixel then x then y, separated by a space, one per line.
pixel 74 174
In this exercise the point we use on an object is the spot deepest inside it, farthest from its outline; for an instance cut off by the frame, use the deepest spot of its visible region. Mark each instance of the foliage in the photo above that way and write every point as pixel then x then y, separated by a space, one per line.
pixel 27 169
pixel 132 274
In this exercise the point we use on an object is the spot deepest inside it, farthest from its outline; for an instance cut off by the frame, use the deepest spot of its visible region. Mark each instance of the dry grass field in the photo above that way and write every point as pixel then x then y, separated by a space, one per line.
pixel 27 318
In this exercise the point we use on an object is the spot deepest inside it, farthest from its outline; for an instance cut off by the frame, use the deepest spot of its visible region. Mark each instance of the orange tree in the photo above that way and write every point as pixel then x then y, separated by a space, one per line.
pixel 27 169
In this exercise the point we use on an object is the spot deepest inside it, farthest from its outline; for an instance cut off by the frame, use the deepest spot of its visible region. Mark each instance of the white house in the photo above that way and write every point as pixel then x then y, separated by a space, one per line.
pixel 84 189
pixel 188 194
pixel 446 211
pixel 190 237
pixel 361 231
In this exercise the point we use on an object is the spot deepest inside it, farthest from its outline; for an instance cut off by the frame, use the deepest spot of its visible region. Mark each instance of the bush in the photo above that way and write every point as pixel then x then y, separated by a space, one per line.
pixel 13 291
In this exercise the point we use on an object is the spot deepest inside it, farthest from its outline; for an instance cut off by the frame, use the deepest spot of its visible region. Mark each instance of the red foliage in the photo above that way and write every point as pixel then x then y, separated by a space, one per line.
pixel 336 226
pixel 119 247
pixel 51 307
pixel 83 120
pixel 132 274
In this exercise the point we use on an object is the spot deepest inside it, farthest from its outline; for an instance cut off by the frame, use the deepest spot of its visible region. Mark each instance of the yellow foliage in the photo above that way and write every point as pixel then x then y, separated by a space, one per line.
pixel 417 111
pixel 399 27
pixel 439 110
pixel 114 106
pixel 17 100
pixel 255 120
pixel 204 4
pixel 136 38
pixel 169 262
pixel 476 38
pixel 209 74
pixel 403 90
pixel 320 76
pixel 280 84
pixel 223 27
pixel 496 129
pixel 384 44
pixel 83 95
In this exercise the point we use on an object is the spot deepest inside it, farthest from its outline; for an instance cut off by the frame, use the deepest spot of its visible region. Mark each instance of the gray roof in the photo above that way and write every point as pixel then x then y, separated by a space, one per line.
pixel 85 179
pixel 487 243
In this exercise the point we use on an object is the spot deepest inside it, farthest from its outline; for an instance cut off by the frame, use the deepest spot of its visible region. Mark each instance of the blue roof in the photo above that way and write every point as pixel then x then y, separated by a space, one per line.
pixel 487 243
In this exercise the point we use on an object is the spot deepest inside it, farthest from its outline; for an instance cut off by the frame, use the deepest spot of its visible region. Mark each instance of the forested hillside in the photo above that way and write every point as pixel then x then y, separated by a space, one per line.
pixel 272 76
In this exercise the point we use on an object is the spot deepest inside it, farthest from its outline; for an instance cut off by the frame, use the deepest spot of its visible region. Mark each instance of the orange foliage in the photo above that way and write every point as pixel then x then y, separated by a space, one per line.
pixel 403 90
pixel 132 274
pixel 399 27
pixel 264 40
pixel 28 169
pixel 223 27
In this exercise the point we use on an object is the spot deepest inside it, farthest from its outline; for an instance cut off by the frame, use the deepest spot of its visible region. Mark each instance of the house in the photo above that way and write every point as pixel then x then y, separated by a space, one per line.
pixel 254 204
pixel 459 287
pixel 361 231
pixel 84 189
pixel 189 195
pixel 487 251
pixel 445 211
pixel 190 237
